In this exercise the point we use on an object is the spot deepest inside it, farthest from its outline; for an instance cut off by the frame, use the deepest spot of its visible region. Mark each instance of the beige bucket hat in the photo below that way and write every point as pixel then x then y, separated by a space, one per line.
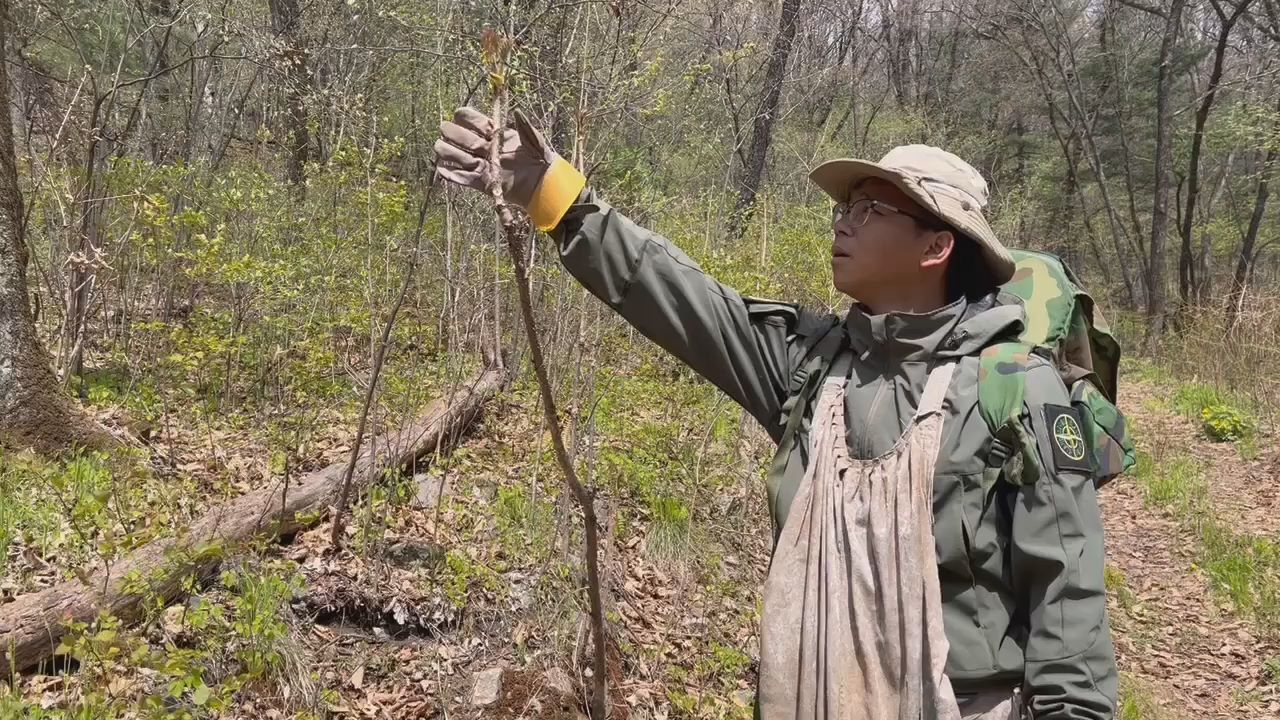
pixel 948 187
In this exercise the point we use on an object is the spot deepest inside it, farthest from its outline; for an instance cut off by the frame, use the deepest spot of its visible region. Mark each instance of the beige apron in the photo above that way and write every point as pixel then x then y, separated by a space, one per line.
pixel 852 624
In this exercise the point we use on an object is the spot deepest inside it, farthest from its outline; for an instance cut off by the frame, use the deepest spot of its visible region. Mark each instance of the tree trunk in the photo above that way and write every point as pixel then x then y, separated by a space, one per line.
pixel 1083 120
pixel 897 31
pixel 161 148
pixel 1187 282
pixel 33 411
pixel 33 624
pixel 762 132
pixel 1032 61
pixel 83 255
pixel 845 50
pixel 1204 273
pixel 1113 92
pixel 1244 263
pixel 286 20
pixel 1076 187
pixel 1156 291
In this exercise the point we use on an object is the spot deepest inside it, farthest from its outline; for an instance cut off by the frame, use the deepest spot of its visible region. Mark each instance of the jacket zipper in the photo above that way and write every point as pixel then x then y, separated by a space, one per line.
pixel 865 451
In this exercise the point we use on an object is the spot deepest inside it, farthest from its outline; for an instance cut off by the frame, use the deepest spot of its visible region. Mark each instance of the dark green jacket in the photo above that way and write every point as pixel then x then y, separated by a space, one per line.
pixel 1021 567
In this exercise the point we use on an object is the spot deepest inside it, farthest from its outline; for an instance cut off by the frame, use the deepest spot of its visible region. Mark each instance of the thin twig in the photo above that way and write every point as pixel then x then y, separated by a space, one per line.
pixel 497 47
pixel 344 494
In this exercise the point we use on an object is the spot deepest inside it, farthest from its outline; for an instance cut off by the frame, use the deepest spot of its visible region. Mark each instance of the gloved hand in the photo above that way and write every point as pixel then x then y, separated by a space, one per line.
pixel 533 175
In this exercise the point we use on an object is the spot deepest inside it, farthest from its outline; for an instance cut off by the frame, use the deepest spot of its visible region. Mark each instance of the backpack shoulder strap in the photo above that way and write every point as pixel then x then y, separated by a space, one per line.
pixel 1002 382
pixel 1002 389
pixel 818 350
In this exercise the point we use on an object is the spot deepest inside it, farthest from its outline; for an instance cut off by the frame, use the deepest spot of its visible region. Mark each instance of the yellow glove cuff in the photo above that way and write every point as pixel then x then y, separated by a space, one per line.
pixel 558 189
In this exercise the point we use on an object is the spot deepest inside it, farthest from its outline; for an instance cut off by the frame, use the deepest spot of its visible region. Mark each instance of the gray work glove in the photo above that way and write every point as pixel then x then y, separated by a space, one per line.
pixel 463 154
pixel 533 175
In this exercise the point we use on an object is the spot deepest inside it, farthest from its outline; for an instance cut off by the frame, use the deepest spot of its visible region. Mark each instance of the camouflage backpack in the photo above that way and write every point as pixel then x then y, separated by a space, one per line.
pixel 1062 326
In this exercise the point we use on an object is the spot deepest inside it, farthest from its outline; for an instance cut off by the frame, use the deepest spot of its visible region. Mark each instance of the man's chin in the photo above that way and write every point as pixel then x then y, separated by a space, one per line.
pixel 848 289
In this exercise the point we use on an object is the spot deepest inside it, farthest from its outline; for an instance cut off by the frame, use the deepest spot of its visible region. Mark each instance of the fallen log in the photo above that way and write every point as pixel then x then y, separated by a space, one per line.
pixel 33 624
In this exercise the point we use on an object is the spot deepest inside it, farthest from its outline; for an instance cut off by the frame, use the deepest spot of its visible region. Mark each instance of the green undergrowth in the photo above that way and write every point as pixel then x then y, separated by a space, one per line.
pixel 1243 568
pixel 1138 700
pixel 677 475
pixel 1221 415
pixel 784 255
pixel 661 447
pixel 1117 586
pixel 59 517
pixel 642 447
pixel 686 466
pixel 671 445
pixel 1271 669
pixel 189 661
pixel 238 308
pixel 250 297
pixel 710 688
pixel 526 521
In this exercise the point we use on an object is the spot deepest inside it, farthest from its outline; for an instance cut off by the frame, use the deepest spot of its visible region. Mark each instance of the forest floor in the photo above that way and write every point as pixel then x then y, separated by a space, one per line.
pixel 460 583
pixel 1192 563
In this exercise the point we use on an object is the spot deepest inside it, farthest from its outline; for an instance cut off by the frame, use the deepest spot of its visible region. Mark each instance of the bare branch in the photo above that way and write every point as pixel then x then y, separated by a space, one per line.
pixel 1144 8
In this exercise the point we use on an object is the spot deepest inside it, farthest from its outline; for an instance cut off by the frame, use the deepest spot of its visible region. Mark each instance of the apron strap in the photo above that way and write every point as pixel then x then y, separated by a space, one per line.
pixel 935 390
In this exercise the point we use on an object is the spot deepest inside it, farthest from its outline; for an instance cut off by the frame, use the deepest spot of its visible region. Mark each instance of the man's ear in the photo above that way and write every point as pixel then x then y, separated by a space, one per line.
pixel 938 250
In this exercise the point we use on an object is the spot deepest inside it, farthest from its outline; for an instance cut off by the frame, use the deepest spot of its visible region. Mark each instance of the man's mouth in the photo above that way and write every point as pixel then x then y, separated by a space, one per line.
pixel 837 252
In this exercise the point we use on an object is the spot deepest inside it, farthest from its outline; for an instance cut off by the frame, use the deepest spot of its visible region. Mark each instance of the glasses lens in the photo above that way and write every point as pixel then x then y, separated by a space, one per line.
pixel 855 213
pixel 858 211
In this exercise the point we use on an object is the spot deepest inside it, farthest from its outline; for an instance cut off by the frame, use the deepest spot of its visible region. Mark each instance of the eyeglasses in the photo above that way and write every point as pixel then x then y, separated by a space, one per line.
pixel 860 210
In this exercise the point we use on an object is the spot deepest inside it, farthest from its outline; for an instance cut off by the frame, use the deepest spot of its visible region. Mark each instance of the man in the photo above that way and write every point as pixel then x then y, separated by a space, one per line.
pixel 1017 587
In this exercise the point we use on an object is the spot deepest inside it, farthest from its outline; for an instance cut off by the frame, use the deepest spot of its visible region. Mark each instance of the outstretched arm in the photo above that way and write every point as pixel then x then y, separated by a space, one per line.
pixel 740 344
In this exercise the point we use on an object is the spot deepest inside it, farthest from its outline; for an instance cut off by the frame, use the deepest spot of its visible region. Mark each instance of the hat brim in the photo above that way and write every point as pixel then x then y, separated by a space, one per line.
pixel 837 178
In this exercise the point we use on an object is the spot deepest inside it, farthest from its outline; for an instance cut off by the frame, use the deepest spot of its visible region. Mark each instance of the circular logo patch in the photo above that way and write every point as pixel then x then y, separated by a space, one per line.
pixel 1066 432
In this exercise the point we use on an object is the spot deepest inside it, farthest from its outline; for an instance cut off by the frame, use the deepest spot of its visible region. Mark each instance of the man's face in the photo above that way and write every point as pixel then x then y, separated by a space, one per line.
pixel 884 253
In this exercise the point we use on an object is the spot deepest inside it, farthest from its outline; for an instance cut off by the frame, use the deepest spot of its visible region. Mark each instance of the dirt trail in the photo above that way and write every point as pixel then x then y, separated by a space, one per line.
pixel 1179 640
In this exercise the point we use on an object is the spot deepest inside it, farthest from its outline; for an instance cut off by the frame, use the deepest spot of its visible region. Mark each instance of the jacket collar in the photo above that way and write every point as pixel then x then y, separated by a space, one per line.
pixel 962 328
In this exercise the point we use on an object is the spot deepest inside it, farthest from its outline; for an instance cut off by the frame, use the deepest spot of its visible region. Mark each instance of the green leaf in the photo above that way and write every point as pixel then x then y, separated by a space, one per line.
pixel 201 694
pixel 277 463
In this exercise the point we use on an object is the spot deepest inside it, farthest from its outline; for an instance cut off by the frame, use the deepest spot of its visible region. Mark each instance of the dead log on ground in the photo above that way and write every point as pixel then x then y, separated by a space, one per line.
pixel 32 625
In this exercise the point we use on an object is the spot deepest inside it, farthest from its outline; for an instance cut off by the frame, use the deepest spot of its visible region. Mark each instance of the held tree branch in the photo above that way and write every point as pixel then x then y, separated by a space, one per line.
pixel 496 49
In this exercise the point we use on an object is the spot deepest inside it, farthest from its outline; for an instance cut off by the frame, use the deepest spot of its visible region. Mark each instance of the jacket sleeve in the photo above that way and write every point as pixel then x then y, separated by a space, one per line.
pixel 740 344
pixel 1058 568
